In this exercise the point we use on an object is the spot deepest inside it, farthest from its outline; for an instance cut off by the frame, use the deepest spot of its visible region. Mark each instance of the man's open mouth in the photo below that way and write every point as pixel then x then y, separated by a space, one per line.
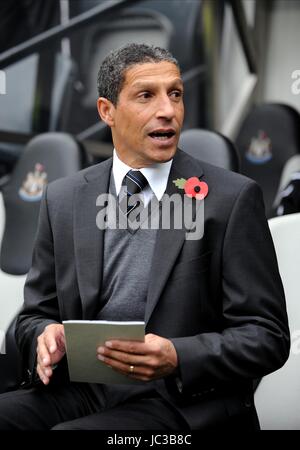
pixel 162 134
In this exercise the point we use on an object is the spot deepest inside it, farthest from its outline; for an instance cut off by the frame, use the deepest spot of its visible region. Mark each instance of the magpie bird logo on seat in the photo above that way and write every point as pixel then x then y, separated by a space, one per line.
pixel 32 187
pixel 260 149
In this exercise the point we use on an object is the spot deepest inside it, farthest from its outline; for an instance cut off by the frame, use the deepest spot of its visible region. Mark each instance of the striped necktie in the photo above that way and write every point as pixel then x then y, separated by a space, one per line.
pixel 135 182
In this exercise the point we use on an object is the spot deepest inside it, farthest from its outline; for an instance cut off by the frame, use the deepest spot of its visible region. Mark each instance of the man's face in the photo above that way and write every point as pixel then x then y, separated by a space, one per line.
pixel 147 119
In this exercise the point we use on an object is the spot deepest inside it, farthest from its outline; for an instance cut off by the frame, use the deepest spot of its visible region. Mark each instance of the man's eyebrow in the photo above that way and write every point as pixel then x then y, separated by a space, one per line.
pixel 149 84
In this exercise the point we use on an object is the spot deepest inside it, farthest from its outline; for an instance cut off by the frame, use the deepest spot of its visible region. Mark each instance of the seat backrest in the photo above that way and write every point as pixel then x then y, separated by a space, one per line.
pixel 45 158
pixel 210 147
pixel 268 137
pixel 277 397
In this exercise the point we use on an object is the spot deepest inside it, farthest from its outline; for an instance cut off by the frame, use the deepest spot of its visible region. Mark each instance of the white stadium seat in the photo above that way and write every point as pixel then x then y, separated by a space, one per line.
pixel 277 397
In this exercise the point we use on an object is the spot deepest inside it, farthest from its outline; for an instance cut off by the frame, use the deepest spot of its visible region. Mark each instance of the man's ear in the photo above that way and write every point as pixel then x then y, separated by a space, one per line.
pixel 106 110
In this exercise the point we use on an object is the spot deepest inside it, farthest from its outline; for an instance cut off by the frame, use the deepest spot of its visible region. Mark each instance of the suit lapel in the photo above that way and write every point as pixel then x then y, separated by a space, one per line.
pixel 88 238
pixel 169 241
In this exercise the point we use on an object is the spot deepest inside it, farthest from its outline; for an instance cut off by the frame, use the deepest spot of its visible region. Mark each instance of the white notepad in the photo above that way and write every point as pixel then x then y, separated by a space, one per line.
pixel 82 339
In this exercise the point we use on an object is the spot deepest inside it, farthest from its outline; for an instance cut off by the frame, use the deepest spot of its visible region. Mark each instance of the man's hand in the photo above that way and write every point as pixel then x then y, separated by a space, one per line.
pixel 155 358
pixel 50 350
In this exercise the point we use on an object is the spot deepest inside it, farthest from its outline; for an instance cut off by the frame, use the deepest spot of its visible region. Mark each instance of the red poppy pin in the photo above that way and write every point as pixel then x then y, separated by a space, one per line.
pixel 193 187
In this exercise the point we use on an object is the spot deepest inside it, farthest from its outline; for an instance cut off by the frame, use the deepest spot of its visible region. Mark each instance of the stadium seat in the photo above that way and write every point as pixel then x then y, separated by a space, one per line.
pixel 277 396
pixel 46 157
pixel 268 137
pixel 210 147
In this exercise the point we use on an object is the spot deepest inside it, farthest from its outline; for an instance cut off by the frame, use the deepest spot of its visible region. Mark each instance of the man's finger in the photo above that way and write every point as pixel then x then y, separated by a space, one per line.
pixel 43 353
pixel 138 372
pixel 134 347
pixel 126 358
pixel 45 379
pixel 54 338
pixel 50 342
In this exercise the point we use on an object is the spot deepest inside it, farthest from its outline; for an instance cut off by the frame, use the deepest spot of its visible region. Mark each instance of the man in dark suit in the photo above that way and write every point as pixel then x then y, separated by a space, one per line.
pixel 214 306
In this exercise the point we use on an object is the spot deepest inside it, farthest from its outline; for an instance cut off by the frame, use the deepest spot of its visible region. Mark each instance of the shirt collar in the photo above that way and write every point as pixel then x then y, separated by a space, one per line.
pixel 157 175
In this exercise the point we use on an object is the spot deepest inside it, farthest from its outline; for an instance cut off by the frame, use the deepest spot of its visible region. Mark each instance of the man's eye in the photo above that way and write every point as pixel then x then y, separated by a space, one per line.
pixel 145 95
pixel 176 94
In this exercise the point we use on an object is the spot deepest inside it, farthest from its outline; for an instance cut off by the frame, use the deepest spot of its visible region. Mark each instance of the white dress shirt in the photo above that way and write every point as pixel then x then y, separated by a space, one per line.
pixel 157 176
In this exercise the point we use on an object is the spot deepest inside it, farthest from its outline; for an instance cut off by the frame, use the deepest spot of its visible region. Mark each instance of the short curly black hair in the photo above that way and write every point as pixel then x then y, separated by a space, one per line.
pixel 111 74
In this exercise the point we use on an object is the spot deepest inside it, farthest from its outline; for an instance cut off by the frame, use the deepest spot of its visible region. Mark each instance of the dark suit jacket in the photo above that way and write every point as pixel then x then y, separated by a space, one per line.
pixel 219 299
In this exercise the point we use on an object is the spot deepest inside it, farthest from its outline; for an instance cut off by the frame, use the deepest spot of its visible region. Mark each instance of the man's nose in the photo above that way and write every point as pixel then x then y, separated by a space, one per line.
pixel 165 108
